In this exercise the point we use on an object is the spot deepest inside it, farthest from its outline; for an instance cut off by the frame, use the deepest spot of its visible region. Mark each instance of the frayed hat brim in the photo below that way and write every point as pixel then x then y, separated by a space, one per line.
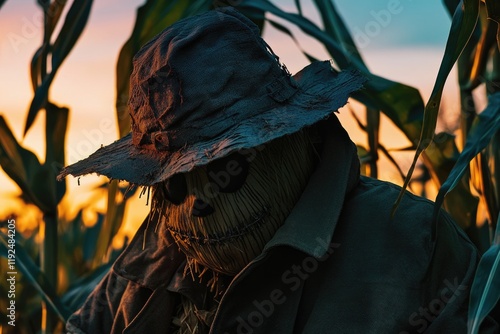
pixel 321 92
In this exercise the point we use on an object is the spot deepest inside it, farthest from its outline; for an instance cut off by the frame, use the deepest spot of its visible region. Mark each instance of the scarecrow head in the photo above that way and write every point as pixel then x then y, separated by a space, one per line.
pixel 219 131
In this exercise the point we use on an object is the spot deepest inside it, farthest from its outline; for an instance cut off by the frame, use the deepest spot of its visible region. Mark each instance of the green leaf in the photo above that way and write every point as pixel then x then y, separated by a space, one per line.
pixel 35 277
pixel 56 124
pixel 483 167
pixel 299 6
pixel 401 103
pixel 440 158
pixel 372 128
pixel 364 159
pixel 467 69
pixel 43 185
pixel 496 237
pixel 493 7
pixel 491 171
pixel 36 68
pixel 488 123
pixel 11 155
pixel 485 291
pixel 23 167
pixel 91 237
pixel 305 25
pixel 36 181
pixel 442 155
pixel 336 28
pixel 39 100
pixel 111 225
pixel 392 160
pixel 380 146
pixel 78 292
pixel 73 26
pixel 473 61
pixel 463 24
pixel 71 30
pixel 54 14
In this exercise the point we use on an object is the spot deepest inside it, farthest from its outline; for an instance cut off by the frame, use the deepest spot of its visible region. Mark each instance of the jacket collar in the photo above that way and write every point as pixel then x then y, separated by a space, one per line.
pixel 153 258
pixel 310 226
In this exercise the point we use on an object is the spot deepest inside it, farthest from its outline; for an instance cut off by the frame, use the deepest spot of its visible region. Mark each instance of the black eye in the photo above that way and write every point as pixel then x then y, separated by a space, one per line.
pixel 176 189
pixel 228 174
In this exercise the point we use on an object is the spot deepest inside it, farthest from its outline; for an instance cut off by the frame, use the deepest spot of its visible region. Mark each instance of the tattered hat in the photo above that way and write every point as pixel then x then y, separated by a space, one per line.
pixel 205 87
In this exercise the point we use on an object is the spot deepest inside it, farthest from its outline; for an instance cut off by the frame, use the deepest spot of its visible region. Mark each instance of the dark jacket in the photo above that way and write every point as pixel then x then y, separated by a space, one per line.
pixel 339 264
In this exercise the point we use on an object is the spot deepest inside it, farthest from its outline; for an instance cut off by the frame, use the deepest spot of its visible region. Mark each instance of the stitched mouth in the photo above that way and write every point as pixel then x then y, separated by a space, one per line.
pixel 230 234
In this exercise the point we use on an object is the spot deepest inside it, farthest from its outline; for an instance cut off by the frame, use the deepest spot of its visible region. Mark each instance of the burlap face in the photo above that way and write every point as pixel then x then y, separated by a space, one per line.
pixel 243 221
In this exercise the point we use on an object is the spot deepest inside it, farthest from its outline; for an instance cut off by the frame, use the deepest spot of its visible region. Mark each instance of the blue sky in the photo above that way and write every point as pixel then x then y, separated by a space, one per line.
pixel 419 22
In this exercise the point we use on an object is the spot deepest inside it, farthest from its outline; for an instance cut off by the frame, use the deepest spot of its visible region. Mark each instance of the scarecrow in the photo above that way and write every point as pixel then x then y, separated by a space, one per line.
pixel 260 221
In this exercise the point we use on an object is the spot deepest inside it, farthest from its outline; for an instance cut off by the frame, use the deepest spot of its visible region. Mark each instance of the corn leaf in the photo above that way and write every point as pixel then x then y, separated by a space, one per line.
pixel 475 60
pixel 75 21
pixel 13 156
pixel 55 133
pixel 463 25
pixel 401 103
pixel 391 159
pixel 36 181
pixel 36 68
pixel 299 6
pixel 488 123
pixel 73 26
pixel 23 167
pixel 468 73
pixel 485 291
pixel 379 145
pixel 493 7
pixel 35 277
pixel 78 292
pixel 491 171
pixel 335 27
pixel 373 127
pixel 364 159
pixel 54 14
pixel 110 226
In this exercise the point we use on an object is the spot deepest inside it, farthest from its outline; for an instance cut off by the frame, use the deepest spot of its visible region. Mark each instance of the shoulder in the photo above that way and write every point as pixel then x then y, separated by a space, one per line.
pixel 375 199
pixel 377 192
pixel 368 212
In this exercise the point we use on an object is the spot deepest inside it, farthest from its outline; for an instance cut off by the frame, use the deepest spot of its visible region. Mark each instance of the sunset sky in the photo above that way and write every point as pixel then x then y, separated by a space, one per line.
pixel 406 46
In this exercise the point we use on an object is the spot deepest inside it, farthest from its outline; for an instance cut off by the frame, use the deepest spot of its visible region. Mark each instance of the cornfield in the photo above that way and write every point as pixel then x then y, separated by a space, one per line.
pixel 465 169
